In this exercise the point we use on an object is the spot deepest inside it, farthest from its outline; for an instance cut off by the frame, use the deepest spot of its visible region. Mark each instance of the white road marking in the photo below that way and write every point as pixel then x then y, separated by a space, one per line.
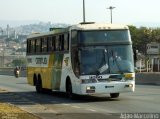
pixel 65 104
pixel 91 110
pixel 76 107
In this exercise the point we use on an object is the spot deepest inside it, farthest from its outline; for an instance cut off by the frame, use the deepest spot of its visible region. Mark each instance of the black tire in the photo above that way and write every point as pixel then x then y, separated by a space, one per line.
pixel 39 88
pixel 69 90
pixel 48 91
pixel 114 95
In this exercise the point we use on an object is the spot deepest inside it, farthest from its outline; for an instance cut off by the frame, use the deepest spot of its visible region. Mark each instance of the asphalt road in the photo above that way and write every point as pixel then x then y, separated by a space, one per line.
pixel 146 99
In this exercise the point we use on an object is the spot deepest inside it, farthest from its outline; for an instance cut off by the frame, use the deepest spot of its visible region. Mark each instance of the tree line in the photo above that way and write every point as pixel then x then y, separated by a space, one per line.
pixel 142 36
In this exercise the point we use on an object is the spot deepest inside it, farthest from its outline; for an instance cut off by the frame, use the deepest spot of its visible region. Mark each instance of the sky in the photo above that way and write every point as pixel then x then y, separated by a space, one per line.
pixel 70 11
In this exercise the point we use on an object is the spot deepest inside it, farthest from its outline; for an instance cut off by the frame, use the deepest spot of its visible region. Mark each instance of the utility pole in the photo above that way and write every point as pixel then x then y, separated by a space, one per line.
pixel 8 30
pixel 84 19
pixel 3 58
pixel 111 8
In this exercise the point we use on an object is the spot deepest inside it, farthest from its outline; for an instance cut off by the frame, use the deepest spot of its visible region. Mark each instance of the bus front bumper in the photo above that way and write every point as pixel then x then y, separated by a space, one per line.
pixel 107 87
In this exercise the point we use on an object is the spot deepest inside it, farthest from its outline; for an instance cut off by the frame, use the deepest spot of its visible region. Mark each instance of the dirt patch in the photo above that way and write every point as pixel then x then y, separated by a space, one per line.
pixel 3 91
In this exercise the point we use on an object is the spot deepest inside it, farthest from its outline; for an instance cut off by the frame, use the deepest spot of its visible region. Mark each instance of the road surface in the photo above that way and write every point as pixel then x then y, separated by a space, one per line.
pixel 146 99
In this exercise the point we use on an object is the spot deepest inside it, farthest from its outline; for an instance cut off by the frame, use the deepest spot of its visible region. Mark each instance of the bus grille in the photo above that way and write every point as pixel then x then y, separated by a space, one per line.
pixel 109 79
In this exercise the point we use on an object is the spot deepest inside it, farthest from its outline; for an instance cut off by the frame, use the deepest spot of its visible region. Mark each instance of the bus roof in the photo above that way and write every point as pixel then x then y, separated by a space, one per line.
pixel 98 26
pixel 55 31
pixel 81 26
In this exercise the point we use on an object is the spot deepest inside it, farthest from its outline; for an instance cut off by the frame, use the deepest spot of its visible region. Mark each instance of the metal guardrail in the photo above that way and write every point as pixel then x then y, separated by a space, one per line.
pixel 6 69
pixel 10 71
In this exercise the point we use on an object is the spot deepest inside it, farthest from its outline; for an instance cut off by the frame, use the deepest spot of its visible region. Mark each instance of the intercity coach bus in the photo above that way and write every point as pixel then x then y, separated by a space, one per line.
pixel 83 59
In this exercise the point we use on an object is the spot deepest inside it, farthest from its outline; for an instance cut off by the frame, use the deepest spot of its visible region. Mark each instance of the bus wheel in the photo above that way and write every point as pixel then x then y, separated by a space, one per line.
pixel 39 86
pixel 69 90
pixel 114 95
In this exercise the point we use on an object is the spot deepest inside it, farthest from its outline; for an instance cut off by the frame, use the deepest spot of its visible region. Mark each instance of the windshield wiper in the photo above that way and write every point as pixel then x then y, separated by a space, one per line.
pixel 104 67
pixel 116 62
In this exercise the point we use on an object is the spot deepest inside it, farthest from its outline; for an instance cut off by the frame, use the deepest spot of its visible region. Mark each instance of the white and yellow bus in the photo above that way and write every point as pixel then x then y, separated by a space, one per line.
pixel 83 59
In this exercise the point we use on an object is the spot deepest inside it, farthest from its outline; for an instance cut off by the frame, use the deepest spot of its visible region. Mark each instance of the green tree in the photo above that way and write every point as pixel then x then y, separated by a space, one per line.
pixel 19 62
pixel 142 36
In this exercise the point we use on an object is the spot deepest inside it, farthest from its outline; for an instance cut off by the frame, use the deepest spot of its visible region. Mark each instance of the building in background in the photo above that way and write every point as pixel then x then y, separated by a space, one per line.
pixel 153 53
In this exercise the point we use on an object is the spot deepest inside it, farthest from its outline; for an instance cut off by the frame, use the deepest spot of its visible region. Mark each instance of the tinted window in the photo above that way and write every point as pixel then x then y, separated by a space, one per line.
pixel 57 42
pixel 74 38
pixel 28 46
pixel 51 43
pixel 44 44
pixel 87 37
pixel 32 46
pixel 61 44
pixel 66 42
pixel 38 45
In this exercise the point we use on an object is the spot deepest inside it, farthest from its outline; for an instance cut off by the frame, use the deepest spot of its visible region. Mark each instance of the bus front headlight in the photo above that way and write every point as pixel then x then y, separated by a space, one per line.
pixel 129 76
pixel 128 86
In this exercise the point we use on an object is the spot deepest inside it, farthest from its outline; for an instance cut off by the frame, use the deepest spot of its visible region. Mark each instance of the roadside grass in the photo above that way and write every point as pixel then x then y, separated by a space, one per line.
pixel 9 111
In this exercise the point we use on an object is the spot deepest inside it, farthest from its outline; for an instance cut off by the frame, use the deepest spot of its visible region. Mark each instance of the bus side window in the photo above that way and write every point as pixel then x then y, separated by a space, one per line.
pixel 74 38
pixel 49 43
pixel 53 43
pixel 61 43
pixel 38 45
pixel 66 42
pixel 57 43
pixel 28 46
pixel 44 45
pixel 32 46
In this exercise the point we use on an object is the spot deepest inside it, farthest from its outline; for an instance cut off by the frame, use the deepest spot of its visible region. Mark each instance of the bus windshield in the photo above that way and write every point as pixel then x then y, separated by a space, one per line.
pixel 103 36
pixel 104 60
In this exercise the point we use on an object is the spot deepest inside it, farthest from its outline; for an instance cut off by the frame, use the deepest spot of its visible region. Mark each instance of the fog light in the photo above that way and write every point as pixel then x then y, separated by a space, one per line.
pixel 90 89
pixel 129 86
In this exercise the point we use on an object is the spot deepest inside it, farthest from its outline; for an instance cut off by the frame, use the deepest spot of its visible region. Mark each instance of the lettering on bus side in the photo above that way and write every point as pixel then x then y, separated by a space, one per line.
pixel 41 60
